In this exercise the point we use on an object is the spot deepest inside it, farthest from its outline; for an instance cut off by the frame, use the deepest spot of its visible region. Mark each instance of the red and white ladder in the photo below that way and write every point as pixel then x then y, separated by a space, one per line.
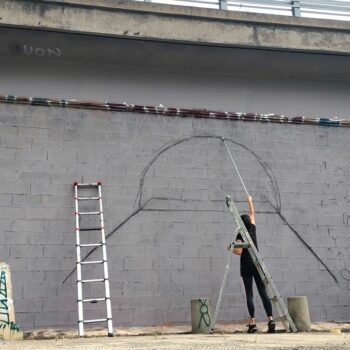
pixel 96 196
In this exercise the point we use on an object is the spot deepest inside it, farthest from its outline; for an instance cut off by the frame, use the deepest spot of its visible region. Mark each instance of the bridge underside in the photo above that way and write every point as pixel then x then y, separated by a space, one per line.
pixel 173 74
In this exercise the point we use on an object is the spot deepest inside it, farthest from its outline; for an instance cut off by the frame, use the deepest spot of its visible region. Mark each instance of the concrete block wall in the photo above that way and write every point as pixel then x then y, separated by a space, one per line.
pixel 174 249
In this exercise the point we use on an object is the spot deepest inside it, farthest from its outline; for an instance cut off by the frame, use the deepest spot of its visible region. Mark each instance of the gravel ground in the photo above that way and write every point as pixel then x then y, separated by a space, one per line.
pixel 320 341
pixel 179 338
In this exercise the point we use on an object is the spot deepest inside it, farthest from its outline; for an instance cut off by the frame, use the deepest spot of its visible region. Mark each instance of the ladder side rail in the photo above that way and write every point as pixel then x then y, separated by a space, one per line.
pixel 285 319
pixel 105 267
pixel 258 261
pixel 253 251
pixel 242 229
pixel 262 269
pixel 79 276
pixel 271 288
pixel 269 284
pixel 222 287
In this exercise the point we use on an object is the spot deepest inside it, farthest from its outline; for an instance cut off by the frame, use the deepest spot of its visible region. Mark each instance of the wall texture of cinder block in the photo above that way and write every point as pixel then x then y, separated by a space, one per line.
pixel 174 249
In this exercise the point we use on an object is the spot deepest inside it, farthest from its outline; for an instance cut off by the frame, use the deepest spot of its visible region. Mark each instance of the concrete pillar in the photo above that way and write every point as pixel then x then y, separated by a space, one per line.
pixel 298 309
pixel 8 327
pixel 201 316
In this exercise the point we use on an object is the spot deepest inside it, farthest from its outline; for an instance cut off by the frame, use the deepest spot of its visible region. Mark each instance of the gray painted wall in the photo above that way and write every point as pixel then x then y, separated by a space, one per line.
pixel 174 250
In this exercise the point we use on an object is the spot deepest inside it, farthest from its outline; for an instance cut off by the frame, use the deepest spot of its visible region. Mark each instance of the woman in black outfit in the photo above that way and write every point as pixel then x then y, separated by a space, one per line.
pixel 249 271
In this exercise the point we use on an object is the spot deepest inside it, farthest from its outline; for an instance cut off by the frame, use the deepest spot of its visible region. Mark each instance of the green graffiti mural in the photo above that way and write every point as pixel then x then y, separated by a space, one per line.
pixel 4 309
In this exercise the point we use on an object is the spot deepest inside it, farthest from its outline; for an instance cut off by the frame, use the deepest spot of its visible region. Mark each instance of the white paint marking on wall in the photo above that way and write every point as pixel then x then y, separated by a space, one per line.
pixel 42 52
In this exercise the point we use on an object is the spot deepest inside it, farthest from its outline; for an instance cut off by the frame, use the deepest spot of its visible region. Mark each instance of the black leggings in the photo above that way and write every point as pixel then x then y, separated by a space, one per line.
pixel 248 285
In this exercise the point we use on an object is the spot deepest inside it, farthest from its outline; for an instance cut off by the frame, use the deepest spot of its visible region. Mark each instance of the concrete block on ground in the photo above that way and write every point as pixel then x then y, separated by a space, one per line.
pixel 201 316
pixel 298 309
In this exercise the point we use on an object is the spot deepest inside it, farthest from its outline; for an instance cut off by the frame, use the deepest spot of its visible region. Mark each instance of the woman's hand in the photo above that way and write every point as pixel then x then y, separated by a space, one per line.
pixel 237 251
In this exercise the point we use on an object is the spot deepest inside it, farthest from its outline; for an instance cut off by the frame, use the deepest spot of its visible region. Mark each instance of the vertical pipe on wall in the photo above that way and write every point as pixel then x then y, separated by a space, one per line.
pixel 295 4
pixel 223 4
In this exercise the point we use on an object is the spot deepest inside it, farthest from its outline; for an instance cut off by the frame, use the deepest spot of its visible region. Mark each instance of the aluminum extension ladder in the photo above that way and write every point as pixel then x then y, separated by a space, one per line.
pixel 97 196
pixel 271 289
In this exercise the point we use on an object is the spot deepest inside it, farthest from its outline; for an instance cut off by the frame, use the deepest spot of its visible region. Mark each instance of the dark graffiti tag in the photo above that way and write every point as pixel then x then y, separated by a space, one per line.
pixel 204 310
pixel 345 273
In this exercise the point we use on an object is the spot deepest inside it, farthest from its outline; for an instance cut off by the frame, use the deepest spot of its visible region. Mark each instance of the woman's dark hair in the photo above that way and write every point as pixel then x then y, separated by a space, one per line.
pixel 246 220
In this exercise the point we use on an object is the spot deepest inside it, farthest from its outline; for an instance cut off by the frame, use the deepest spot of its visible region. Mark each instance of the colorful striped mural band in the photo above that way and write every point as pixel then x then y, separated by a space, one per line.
pixel 176 112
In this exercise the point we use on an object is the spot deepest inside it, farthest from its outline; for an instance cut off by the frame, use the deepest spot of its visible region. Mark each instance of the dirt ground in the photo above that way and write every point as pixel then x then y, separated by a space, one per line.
pixel 228 336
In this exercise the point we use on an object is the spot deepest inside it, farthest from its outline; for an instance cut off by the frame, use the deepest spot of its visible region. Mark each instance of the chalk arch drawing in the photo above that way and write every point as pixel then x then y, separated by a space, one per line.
pixel 174 143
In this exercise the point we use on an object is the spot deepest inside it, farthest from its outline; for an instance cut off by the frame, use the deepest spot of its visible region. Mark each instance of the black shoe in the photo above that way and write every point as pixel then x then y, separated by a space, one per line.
pixel 252 328
pixel 271 326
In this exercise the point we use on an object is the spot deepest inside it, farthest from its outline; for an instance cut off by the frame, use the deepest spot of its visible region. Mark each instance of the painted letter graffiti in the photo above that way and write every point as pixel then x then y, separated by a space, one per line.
pixel 40 52
pixel 4 308
pixel 4 314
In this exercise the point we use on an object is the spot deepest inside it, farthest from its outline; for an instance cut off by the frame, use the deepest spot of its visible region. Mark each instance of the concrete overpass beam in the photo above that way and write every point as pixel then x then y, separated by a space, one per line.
pixel 148 21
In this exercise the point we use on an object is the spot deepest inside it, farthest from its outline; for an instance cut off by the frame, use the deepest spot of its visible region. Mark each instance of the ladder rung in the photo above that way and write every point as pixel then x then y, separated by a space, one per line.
pixel 91 262
pixel 97 320
pixel 91 245
pixel 93 184
pixel 93 300
pixel 90 229
pixel 240 245
pixel 89 213
pixel 93 280
pixel 87 198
